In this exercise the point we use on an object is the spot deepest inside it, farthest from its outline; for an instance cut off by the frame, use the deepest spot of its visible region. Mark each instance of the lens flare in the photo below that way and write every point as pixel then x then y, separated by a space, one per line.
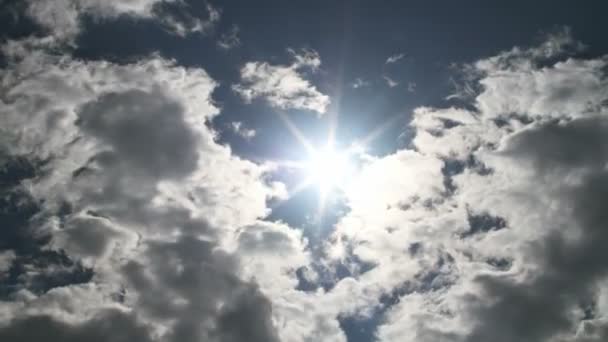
pixel 329 169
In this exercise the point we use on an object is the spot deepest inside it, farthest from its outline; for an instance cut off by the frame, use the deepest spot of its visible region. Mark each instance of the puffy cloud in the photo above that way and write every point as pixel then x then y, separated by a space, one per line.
pixel 125 219
pixel 137 203
pixel 283 86
pixel 490 227
pixel 62 18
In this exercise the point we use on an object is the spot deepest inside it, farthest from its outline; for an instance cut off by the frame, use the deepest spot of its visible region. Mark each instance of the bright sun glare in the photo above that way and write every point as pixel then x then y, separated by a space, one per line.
pixel 329 169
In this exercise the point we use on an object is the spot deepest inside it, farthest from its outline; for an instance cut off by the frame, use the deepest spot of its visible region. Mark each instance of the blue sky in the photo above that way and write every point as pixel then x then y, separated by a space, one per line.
pixel 303 171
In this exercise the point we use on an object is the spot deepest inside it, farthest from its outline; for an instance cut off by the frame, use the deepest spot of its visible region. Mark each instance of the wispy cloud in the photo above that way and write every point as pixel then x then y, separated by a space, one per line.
pixel 390 82
pixel 239 129
pixel 394 58
pixel 230 39
pixel 360 83
pixel 283 86
pixel 411 87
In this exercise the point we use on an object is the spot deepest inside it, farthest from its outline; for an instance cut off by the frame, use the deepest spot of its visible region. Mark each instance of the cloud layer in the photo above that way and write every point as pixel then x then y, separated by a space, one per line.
pixel 124 217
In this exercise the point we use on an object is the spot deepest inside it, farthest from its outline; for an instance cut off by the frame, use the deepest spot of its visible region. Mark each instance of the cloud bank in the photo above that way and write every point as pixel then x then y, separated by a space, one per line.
pixel 125 219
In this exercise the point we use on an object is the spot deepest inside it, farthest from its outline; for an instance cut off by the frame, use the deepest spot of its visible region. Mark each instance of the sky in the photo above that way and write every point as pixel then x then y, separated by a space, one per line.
pixel 303 171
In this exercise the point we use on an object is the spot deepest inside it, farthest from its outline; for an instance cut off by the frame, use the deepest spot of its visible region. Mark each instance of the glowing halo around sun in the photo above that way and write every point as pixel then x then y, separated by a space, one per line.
pixel 329 169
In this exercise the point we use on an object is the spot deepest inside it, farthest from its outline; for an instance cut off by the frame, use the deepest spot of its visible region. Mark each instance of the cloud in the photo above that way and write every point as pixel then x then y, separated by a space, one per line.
pixel 390 82
pixel 103 327
pixel 6 261
pixel 242 131
pixel 181 19
pixel 62 18
pixel 529 155
pixel 283 86
pixel 125 218
pixel 489 227
pixel 360 83
pixel 230 39
pixel 394 58
pixel 411 87
pixel 128 225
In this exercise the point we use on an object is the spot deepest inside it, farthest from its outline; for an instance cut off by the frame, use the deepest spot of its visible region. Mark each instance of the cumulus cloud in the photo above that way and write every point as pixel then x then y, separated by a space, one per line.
pixel 115 218
pixel 124 218
pixel 499 235
pixel 62 18
pixel 283 86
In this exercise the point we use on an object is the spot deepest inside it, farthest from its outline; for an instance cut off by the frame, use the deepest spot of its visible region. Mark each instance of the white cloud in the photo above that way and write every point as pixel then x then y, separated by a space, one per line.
pixel 360 83
pixel 390 82
pixel 62 18
pixel 494 220
pixel 394 58
pixel 239 129
pixel 128 190
pixel 283 86
pixel 179 18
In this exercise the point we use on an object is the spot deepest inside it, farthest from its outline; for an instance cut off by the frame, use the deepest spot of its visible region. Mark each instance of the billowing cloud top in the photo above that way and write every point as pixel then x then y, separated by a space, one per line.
pixel 126 218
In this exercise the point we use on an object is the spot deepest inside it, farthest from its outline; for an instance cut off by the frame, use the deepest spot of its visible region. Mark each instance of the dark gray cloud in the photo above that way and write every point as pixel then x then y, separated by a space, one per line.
pixel 578 144
pixel 146 130
pixel 106 326
pixel 569 274
pixel 88 236
pixel 192 283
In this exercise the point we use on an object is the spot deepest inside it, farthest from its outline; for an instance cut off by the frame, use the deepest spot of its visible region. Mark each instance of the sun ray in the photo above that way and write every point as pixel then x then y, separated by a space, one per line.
pixel 295 131
pixel 379 130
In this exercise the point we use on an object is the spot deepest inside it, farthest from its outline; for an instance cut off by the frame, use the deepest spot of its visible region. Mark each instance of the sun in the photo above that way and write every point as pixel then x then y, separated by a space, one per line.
pixel 329 169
